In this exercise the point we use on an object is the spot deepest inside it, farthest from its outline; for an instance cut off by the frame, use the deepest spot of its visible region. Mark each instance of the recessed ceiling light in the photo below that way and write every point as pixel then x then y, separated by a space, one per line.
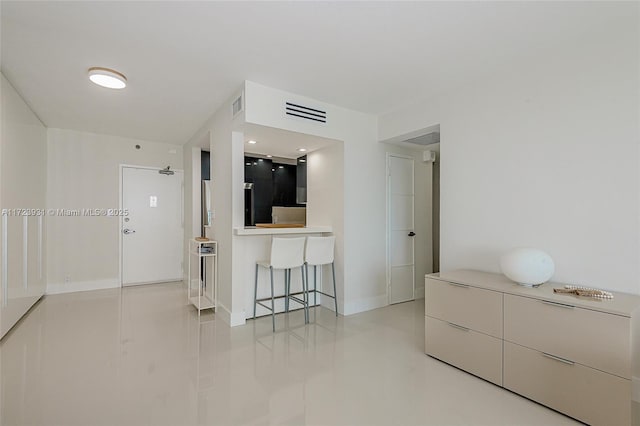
pixel 248 164
pixel 281 167
pixel 252 142
pixel 303 160
pixel 269 156
pixel 302 149
pixel 106 77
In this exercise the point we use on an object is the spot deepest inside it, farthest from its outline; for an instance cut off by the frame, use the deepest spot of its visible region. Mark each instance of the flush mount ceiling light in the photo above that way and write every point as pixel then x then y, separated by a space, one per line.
pixel 302 149
pixel 106 77
pixel 252 142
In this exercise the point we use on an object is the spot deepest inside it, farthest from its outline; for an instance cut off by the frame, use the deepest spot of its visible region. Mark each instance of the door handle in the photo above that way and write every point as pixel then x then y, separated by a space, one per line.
pixel 128 231
pixel 411 234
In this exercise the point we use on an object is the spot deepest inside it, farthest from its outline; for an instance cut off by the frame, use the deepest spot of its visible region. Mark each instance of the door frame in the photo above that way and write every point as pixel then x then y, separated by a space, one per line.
pixel 121 168
pixel 388 220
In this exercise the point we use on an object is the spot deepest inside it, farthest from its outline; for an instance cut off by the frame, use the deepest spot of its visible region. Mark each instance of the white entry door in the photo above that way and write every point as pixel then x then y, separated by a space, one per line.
pixel 152 232
pixel 400 216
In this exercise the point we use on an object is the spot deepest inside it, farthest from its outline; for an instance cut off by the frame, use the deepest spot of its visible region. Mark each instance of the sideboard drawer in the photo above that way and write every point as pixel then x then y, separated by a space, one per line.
pixel 471 307
pixel 591 338
pixel 589 395
pixel 469 350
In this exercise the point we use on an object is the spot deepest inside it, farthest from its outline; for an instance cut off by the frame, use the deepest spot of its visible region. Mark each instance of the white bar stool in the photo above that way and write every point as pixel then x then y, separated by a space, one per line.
pixel 319 252
pixel 286 254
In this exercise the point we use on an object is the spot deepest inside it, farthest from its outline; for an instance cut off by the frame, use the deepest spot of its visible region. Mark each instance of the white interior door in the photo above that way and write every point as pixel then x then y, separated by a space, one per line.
pixel 400 191
pixel 152 231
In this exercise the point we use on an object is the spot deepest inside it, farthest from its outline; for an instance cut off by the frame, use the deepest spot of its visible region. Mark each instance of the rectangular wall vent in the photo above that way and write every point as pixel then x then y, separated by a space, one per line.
pixel 237 107
pixel 297 110
pixel 428 139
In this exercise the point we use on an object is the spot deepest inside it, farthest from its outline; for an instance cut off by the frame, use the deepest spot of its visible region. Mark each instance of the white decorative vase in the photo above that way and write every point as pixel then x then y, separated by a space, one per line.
pixel 527 266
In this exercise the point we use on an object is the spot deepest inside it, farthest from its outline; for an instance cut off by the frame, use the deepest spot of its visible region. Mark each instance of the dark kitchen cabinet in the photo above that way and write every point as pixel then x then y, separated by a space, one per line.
pixel 269 184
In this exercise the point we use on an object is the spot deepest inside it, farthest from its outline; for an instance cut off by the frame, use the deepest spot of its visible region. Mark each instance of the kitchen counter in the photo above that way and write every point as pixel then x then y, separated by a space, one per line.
pixel 251 230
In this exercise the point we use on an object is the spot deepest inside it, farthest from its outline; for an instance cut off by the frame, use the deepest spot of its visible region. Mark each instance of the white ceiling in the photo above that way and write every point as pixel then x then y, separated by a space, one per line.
pixel 281 143
pixel 183 59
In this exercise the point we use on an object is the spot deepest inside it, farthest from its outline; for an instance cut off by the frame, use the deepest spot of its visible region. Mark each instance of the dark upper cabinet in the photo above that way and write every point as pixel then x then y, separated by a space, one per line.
pixel 301 180
pixel 269 184
pixel 205 165
pixel 259 197
pixel 284 185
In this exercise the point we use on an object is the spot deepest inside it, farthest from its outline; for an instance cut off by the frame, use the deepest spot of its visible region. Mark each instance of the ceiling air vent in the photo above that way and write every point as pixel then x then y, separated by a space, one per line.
pixel 236 106
pixel 296 110
pixel 428 139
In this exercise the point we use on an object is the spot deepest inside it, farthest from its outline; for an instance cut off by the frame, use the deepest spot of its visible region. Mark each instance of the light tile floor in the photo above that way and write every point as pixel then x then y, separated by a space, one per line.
pixel 141 356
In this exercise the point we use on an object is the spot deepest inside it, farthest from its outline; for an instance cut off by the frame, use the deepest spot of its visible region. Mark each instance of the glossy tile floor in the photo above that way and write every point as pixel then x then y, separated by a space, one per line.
pixel 141 356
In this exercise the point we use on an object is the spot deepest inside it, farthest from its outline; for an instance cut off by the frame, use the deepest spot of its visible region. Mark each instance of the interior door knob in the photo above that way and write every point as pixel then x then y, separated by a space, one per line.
pixel 412 234
pixel 128 231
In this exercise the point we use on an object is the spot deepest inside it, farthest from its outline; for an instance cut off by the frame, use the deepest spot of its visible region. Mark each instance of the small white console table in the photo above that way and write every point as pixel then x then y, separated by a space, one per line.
pixel 202 289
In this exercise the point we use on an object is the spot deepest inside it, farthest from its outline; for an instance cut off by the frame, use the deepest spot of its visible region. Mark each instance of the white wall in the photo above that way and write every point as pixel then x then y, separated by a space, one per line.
pixel 219 129
pixel 83 172
pixel 545 157
pixel 192 154
pixel 364 187
pixel 23 155
pixel 325 206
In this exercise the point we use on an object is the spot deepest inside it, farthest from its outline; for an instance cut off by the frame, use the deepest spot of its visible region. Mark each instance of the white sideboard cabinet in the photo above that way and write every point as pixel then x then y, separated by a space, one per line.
pixel 577 355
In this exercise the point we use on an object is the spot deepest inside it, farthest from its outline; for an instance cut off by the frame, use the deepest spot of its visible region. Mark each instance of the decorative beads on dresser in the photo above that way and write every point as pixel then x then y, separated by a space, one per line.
pixel 584 291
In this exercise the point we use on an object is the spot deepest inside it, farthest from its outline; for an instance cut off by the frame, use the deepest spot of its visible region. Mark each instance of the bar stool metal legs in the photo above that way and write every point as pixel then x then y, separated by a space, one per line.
pixel 305 294
pixel 287 288
pixel 315 285
pixel 255 293
pixel 335 292
pixel 287 285
pixel 286 254
pixel 257 301
pixel 319 251
pixel 273 302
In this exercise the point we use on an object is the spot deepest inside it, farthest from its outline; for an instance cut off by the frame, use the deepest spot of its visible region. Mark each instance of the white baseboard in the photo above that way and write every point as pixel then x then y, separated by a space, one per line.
pixel 223 313
pixel 367 304
pixel 72 287
pixel 238 318
pixel 234 319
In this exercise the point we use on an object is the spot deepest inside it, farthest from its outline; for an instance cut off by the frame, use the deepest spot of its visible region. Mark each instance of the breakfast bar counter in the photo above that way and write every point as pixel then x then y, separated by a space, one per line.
pixel 254 230
pixel 253 244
